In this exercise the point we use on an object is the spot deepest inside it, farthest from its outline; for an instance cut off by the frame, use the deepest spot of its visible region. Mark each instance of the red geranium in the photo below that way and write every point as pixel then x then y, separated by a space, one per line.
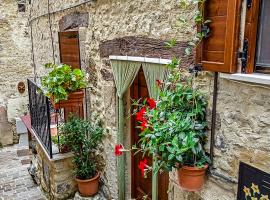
pixel 118 150
pixel 158 82
pixel 140 114
pixel 144 125
pixel 143 166
pixel 151 103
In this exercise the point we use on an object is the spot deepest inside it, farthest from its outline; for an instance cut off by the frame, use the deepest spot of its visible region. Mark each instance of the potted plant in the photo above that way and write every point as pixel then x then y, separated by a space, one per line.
pixel 83 138
pixel 64 85
pixel 60 142
pixel 173 131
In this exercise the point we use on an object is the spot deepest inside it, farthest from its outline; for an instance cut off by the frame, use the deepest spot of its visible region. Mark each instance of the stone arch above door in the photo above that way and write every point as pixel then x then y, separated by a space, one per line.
pixel 73 21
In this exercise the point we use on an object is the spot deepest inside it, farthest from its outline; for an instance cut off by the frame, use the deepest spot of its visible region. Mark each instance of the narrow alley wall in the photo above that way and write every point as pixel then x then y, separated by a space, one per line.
pixel 243 118
pixel 15 65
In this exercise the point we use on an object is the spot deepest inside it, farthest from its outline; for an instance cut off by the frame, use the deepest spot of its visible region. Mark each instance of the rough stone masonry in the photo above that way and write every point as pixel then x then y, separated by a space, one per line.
pixel 243 132
pixel 15 65
pixel 243 111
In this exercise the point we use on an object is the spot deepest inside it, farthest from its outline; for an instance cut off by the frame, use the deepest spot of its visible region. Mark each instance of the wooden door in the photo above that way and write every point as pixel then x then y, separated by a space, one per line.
pixel 143 186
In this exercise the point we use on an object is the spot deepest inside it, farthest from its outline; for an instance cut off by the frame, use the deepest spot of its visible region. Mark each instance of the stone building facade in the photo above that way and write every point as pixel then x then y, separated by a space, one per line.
pixel 15 64
pixel 243 111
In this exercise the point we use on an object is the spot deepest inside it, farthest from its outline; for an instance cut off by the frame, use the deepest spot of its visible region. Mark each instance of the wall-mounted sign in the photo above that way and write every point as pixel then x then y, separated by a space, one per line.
pixel 253 183
pixel 21 87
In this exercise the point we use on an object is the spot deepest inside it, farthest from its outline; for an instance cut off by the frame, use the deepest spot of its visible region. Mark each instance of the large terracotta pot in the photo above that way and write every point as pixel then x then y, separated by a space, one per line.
pixel 73 105
pixel 191 178
pixel 88 188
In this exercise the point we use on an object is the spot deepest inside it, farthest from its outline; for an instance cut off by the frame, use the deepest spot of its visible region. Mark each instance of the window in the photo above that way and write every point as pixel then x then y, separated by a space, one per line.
pixel 220 51
pixel 263 39
pixel 21 7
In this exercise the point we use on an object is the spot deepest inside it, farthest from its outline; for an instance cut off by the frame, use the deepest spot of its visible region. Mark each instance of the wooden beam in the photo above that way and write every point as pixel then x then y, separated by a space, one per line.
pixel 143 47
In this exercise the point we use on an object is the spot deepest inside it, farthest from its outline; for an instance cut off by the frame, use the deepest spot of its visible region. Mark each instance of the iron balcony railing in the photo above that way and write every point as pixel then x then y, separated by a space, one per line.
pixel 39 106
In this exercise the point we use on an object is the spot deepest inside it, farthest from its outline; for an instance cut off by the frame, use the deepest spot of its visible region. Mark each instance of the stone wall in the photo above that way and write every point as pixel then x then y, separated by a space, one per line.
pixel 15 65
pixel 243 110
pixel 55 176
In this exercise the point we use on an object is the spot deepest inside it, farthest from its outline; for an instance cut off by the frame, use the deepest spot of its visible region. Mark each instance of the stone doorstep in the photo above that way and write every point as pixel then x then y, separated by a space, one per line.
pixel 98 196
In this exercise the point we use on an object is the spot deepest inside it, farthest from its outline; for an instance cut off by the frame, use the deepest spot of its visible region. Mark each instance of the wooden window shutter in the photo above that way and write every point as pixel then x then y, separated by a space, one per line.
pixel 218 52
pixel 251 27
pixel 70 48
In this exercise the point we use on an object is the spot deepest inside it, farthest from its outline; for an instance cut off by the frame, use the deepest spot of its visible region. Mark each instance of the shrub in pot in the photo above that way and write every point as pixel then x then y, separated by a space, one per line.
pixel 174 130
pixel 60 142
pixel 83 138
pixel 63 83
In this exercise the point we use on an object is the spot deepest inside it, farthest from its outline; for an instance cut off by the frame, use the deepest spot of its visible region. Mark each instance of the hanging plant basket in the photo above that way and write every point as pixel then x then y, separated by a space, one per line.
pixel 191 178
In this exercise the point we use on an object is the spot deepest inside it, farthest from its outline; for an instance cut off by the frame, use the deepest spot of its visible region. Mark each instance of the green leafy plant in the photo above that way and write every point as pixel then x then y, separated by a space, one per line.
pixel 200 22
pixel 62 80
pixel 174 131
pixel 83 138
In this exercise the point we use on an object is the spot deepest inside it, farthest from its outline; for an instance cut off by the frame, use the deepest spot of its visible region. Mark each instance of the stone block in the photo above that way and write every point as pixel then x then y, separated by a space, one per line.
pixel 6 134
pixel 16 107
pixel 20 127
pixel 73 20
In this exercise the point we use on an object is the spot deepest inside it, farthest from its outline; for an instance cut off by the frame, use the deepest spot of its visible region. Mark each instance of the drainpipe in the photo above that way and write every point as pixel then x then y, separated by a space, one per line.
pixel 213 120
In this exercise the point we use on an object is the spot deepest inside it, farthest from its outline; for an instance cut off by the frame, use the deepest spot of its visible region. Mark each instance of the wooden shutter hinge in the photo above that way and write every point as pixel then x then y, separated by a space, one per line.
pixel 249 3
pixel 195 69
pixel 243 55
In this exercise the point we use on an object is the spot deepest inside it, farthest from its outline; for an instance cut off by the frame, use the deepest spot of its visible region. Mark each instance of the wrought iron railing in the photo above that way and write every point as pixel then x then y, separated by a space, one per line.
pixel 39 106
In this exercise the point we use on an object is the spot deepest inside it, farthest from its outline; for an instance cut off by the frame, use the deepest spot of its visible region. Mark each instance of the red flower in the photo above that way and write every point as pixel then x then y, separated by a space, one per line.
pixel 144 125
pixel 143 166
pixel 158 82
pixel 151 103
pixel 118 150
pixel 140 114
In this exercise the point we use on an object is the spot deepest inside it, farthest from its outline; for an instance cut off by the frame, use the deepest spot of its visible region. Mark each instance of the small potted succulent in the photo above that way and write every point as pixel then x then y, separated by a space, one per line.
pixel 64 85
pixel 83 139
pixel 173 131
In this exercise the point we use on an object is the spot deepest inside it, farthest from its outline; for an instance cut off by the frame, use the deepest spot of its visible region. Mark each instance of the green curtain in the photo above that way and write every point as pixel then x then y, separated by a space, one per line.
pixel 124 73
pixel 153 72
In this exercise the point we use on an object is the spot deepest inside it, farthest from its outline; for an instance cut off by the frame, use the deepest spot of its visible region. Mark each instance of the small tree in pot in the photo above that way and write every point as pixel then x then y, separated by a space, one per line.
pixel 83 138
pixel 174 131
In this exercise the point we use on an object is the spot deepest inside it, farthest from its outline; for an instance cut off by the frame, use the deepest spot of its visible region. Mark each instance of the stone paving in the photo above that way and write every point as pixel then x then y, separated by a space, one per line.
pixel 15 181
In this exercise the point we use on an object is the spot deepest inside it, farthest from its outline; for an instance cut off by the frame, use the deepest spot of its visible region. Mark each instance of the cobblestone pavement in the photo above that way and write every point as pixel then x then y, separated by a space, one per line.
pixel 15 181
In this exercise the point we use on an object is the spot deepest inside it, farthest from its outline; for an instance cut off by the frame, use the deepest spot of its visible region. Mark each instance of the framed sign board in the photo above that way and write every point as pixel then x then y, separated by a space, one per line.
pixel 253 183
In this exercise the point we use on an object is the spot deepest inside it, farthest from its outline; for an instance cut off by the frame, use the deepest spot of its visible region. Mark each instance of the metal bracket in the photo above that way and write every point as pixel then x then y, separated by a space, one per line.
pixel 206 30
pixel 195 69
pixel 243 55
pixel 249 3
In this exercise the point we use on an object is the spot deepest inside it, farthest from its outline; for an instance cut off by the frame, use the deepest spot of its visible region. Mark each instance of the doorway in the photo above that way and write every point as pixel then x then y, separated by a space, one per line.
pixel 142 187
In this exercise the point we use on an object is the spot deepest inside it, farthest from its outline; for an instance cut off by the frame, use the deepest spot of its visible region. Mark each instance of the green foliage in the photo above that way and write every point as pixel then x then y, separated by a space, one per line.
pixel 176 128
pixel 199 21
pixel 83 138
pixel 62 80
pixel 171 43
pixel 61 141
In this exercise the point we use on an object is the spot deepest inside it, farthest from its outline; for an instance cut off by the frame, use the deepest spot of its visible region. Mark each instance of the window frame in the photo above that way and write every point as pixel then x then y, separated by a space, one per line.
pixel 260 68
pixel 251 34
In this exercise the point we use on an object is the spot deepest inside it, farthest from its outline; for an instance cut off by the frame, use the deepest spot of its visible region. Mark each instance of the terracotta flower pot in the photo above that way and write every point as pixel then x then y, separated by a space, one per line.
pixel 88 188
pixel 74 98
pixel 192 178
